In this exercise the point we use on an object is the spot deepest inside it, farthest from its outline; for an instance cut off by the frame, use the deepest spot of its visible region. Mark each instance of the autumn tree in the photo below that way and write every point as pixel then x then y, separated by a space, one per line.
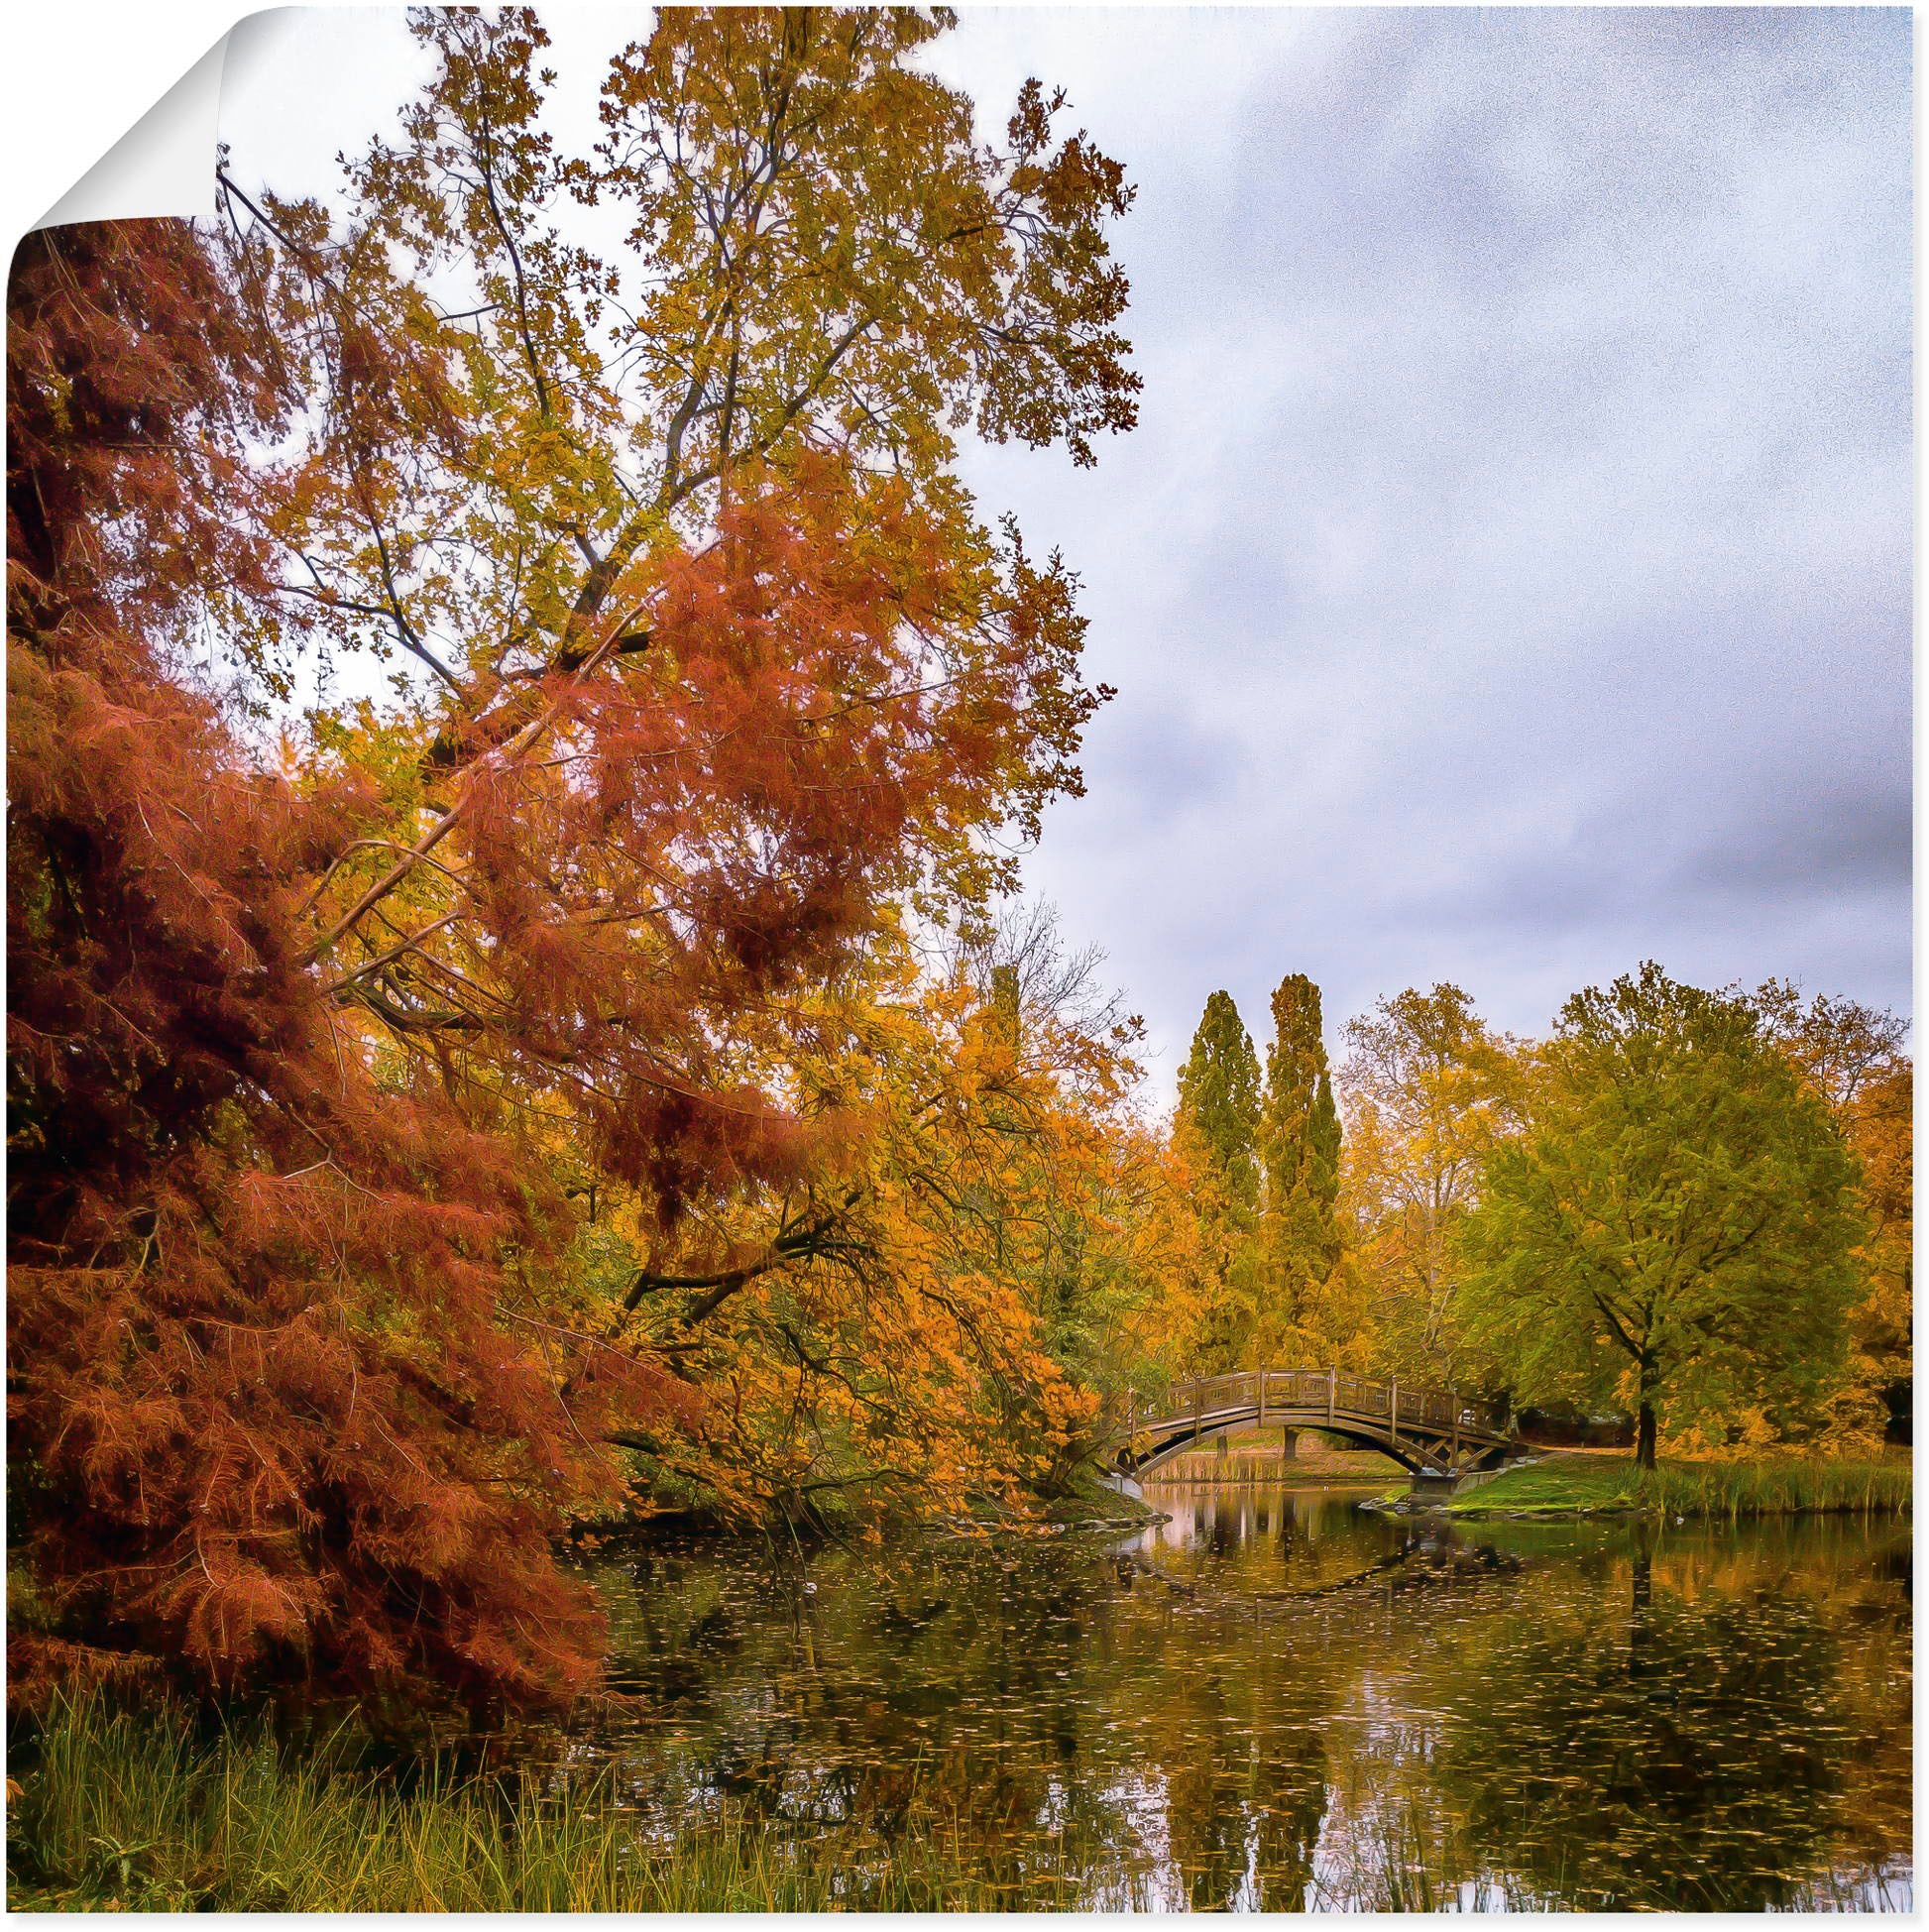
pixel 700 607
pixel 1216 1135
pixel 707 682
pixel 1882 1131
pixel 1298 1151
pixel 279 1393
pixel 1429 1091
pixel 1676 1228
pixel 705 609
pixel 1007 1266
pixel 1853 1056
pixel 1113 1281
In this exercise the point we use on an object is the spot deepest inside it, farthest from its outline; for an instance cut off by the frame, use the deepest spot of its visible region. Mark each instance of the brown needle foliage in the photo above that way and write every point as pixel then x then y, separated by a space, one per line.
pixel 264 1416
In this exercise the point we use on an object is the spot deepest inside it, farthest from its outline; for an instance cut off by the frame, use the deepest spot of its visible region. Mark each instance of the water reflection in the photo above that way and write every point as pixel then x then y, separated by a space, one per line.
pixel 1689 1757
pixel 1275 1702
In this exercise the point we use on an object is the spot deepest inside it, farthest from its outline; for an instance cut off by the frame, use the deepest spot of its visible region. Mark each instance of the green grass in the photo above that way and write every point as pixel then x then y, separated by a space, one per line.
pixel 1572 1484
pixel 124 1811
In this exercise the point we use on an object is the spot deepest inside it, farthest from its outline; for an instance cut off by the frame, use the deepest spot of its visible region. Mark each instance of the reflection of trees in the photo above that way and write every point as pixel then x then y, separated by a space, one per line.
pixel 1188 1735
pixel 1244 1777
pixel 1686 1760
pixel 1036 1709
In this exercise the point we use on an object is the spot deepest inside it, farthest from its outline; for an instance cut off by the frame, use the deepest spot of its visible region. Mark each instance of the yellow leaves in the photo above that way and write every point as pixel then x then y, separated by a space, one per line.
pixel 998 1240
pixel 825 278
pixel 1427 1091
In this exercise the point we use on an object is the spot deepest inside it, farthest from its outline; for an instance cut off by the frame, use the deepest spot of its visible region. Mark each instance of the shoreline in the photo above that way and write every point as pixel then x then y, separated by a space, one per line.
pixel 1570 1487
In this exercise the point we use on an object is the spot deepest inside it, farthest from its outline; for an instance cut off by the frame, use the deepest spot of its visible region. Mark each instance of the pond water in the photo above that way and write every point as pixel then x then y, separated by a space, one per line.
pixel 1276 1701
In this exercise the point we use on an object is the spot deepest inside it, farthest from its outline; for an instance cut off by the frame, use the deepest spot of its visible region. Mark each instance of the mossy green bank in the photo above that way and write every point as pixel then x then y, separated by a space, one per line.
pixel 1588 1485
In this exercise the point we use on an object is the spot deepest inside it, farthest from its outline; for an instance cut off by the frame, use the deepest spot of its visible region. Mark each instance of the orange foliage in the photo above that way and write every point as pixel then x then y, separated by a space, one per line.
pixel 952 1310
pixel 260 1406
pixel 311 1356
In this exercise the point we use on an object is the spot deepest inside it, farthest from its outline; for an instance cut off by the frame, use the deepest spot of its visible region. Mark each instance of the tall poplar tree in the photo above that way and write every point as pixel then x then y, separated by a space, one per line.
pixel 1216 1131
pixel 1299 1148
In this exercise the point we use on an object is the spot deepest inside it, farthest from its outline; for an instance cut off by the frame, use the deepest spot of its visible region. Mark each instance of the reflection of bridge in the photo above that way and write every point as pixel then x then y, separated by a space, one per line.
pixel 1429 1433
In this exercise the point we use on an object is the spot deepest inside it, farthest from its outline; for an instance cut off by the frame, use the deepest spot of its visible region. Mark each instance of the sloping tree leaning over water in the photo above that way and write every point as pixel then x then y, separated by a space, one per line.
pixel 710 687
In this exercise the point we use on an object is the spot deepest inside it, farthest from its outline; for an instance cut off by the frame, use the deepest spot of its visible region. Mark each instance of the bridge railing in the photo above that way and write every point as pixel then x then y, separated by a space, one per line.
pixel 1338 1392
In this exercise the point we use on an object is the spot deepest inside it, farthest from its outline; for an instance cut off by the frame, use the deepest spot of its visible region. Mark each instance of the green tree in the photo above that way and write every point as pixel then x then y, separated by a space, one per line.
pixel 1298 1145
pixel 1216 1134
pixel 1676 1227
pixel 1428 1090
pixel 1218 1099
pixel 1852 1055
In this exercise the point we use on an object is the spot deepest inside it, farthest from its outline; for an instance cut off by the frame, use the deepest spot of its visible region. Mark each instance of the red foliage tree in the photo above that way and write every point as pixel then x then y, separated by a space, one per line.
pixel 265 1416
pixel 307 1370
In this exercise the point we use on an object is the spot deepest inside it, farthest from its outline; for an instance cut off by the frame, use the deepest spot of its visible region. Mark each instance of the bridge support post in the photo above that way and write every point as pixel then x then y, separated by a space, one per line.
pixel 1393 1413
pixel 1454 1399
pixel 1333 1390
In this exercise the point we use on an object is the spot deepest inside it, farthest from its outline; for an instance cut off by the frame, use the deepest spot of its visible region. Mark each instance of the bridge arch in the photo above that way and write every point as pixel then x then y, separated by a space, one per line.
pixel 1428 1431
pixel 1359 1437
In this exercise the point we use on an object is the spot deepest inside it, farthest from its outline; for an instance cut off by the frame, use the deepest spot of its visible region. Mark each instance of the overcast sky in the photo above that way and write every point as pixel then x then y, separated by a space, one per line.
pixel 1509 580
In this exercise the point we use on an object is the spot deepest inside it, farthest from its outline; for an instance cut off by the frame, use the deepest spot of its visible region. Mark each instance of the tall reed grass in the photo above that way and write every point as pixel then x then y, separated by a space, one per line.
pixel 1564 1484
pixel 130 1811
pixel 123 1811
pixel 1776 1488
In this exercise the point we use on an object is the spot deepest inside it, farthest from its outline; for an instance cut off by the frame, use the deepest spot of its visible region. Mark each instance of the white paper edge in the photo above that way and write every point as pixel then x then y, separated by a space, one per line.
pixel 165 163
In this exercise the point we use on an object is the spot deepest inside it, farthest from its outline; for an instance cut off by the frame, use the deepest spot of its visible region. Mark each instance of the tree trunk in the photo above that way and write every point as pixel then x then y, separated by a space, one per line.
pixel 1646 1425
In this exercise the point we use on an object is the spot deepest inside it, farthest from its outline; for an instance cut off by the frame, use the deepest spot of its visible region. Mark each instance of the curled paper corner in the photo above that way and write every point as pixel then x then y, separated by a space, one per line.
pixel 164 164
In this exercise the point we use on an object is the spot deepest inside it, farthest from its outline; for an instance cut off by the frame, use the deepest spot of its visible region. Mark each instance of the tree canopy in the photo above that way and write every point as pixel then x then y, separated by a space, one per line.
pixel 1853 1056
pixel 1218 1098
pixel 433 1116
pixel 1299 1147
pixel 1676 1228
pixel 1429 1093
pixel 1215 1134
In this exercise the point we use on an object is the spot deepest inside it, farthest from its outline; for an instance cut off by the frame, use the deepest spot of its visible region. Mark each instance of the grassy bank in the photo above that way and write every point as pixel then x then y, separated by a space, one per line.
pixel 1572 1485
pixel 130 1812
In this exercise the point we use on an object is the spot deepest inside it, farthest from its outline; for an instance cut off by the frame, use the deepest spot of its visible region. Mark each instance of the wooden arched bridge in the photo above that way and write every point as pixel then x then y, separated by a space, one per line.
pixel 1428 1431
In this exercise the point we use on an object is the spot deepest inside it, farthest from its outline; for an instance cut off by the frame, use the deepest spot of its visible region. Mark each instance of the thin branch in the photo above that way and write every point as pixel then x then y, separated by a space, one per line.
pixel 380 960
pixel 308 905
pixel 447 823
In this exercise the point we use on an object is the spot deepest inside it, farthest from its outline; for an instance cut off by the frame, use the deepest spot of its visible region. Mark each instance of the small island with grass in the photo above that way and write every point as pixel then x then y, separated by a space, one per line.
pixel 1569 1485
